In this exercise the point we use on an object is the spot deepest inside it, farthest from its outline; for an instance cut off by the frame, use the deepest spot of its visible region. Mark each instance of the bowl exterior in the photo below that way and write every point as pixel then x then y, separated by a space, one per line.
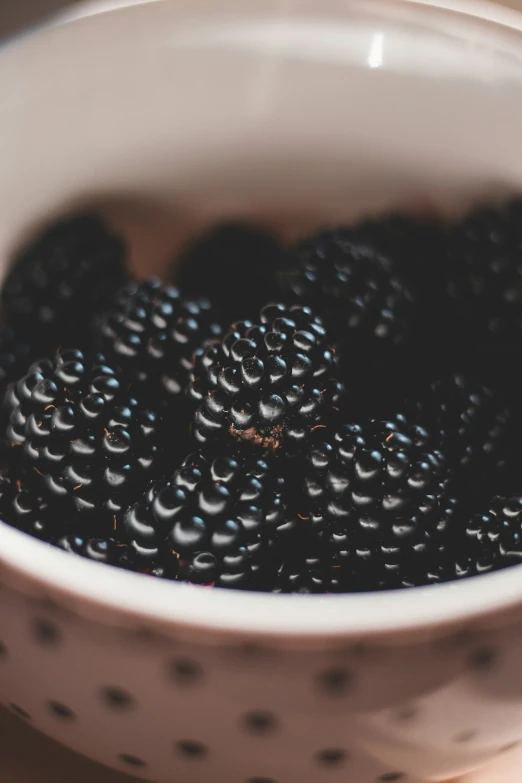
pixel 167 703
pixel 296 116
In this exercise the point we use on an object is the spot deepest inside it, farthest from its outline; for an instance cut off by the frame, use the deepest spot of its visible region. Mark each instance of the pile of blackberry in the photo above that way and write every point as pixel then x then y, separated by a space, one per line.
pixel 338 415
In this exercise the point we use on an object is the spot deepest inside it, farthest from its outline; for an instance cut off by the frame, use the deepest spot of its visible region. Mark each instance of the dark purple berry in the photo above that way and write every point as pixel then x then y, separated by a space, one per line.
pixel 267 384
pixel 234 265
pixel 59 282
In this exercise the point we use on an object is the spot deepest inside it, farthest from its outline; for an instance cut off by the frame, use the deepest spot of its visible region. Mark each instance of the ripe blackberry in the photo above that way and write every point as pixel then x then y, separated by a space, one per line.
pixel 58 283
pixel 75 434
pixel 373 499
pixel 15 357
pixel 151 333
pixel 235 266
pixel 100 550
pixel 24 509
pixel 411 242
pixel 354 287
pixel 473 424
pixel 216 522
pixel 483 267
pixel 492 540
pixel 266 383
pixel 309 568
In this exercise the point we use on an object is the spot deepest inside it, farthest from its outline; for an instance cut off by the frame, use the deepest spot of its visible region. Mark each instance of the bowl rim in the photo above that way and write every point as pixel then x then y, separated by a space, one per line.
pixel 241 612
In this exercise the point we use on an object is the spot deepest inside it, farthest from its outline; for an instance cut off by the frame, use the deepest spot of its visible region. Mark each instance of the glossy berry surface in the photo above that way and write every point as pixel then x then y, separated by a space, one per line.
pixel 268 383
pixel 150 335
pixel 99 550
pixel 215 522
pixel 373 504
pixel 27 511
pixel 58 283
pixel 75 434
pixel 472 423
pixel 362 434
pixel 490 540
pixel 357 290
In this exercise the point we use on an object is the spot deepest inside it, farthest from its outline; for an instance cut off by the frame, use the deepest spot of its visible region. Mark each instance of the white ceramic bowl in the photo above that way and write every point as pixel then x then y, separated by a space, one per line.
pixel 170 114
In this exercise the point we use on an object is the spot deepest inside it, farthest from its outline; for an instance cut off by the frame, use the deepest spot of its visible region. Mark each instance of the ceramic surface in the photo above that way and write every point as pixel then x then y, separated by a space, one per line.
pixel 170 114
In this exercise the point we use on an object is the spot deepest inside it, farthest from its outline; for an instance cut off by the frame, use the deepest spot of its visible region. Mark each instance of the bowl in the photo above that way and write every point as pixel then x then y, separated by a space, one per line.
pixel 170 114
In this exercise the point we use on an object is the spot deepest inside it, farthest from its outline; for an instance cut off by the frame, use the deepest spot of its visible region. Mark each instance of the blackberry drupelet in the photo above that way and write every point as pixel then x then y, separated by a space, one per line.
pixel 483 268
pixel 309 568
pixel 23 508
pixel 216 522
pixel 354 287
pixel 472 423
pixel 15 357
pixel 77 437
pixel 151 333
pixel 373 504
pixel 412 243
pixel 235 266
pixel 267 383
pixel 490 541
pixel 58 284
pixel 101 550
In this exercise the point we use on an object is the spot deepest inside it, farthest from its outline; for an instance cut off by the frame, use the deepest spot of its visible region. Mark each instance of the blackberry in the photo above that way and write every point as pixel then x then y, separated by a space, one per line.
pixel 266 383
pixel 473 423
pixel 411 242
pixel 15 357
pixel 151 333
pixel 216 522
pixel 354 287
pixel 235 266
pixel 492 540
pixel 101 550
pixel 483 267
pixel 24 509
pixel 314 571
pixel 78 438
pixel 57 284
pixel 373 504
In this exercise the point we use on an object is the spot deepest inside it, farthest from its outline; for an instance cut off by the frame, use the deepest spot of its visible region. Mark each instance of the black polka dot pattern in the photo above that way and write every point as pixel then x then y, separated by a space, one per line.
pixel 46 633
pixel 61 711
pixel 465 736
pixel 185 671
pixel 261 780
pixel 331 757
pixel 191 749
pixel 20 712
pixel 260 722
pixel 335 682
pixel 483 659
pixel 117 698
pixel 132 761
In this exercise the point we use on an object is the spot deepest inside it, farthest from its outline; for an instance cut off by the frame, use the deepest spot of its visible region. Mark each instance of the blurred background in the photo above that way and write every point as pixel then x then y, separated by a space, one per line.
pixel 17 14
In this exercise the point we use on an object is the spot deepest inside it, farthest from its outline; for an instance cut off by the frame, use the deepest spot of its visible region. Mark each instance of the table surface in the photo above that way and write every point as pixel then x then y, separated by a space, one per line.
pixel 25 755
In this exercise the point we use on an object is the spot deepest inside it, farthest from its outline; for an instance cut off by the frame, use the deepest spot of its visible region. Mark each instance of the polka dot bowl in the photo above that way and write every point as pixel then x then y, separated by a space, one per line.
pixel 169 114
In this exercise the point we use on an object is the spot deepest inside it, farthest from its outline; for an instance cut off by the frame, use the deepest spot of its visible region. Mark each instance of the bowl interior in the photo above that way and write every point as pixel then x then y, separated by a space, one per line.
pixel 172 114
